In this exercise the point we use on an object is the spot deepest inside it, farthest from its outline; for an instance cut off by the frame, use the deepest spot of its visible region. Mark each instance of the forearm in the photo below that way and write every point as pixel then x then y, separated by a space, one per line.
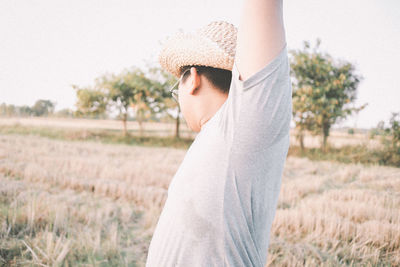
pixel 261 35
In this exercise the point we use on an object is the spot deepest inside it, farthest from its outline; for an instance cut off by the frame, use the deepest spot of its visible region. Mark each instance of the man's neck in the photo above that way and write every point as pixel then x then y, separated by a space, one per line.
pixel 212 108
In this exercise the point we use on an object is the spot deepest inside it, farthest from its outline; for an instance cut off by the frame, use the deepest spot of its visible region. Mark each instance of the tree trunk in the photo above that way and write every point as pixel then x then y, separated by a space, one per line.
pixel 177 127
pixel 301 140
pixel 140 127
pixel 324 142
pixel 124 119
pixel 300 137
pixel 325 134
pixel 139 119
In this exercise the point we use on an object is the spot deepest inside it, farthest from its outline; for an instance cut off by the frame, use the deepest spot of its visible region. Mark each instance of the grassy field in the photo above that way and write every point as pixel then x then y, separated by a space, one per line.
pixel 79 203
pixel 77 124
pixel 343 147
pixel 337 138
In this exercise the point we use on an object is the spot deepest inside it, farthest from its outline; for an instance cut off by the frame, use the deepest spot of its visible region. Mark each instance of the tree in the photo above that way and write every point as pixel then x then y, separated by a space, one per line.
pixel 12 110
pixel 144 99
pixel 130 89
pixel 65 113
pixel 391 140
pixel 394 132
pixel 25 110
pixel 7 110
pixel 91 102
pixel 118 94
pixel 324 91
pixel 165 103
pixel 43 107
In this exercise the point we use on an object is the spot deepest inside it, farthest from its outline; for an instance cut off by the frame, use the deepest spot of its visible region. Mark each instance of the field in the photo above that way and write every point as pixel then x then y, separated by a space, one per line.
pixel 75 203
pixel 151 128
pixel 337 138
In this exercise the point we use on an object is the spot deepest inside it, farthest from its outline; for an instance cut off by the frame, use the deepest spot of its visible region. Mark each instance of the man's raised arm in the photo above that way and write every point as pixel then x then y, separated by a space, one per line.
pixel 261 35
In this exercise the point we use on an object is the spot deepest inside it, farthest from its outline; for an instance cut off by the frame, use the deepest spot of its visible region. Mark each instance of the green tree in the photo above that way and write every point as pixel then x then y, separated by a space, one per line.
pixel 129 89
pixel 324 91
pixel 43 107
pixel 145 96
pixel 65 113
pixel 118 94
pixel 395 131
pixel 25 110
pixel 12 110
pixel 91 102
pixel 391 140
pixel 165 104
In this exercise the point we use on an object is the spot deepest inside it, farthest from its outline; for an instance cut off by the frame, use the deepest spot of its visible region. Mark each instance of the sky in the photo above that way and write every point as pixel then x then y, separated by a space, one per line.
pixel 46 46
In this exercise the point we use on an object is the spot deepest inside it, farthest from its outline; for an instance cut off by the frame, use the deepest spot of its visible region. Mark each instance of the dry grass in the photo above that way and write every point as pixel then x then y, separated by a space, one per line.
pixel 334 214
pixel 150 128
pixel 88 204
pixel 336 139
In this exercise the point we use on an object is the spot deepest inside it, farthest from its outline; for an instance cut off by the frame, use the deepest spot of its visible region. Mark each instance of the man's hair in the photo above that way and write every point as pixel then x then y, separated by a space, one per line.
pixel 219 78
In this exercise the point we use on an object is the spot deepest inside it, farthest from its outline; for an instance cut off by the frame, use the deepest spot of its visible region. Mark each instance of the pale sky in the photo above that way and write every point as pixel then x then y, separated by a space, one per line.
pixel 47 45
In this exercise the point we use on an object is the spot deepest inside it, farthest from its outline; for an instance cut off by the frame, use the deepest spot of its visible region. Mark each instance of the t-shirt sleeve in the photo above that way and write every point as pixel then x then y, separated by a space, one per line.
pixel 263 105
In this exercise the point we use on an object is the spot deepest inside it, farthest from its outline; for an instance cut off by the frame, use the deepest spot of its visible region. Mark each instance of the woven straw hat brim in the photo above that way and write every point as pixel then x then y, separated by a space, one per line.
pixel 185 49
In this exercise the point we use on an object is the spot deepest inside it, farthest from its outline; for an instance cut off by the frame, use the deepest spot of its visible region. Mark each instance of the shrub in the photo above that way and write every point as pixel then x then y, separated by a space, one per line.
pixel 391 141
pixel 350 131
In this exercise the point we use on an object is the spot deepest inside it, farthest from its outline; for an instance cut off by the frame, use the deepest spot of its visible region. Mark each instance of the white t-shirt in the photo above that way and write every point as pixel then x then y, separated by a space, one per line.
pixel 223 198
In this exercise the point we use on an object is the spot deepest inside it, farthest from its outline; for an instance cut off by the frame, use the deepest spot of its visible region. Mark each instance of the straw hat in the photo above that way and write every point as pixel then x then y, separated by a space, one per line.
pixel 213 45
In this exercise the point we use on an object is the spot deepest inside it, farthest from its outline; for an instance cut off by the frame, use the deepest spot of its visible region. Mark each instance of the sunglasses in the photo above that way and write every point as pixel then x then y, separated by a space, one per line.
pixel 174 91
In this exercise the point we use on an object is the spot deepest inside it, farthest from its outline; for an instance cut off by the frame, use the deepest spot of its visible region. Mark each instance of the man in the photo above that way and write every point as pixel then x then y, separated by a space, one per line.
pixel 223 198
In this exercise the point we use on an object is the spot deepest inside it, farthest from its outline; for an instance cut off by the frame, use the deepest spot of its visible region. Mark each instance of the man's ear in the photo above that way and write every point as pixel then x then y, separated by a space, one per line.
pixel 194 81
